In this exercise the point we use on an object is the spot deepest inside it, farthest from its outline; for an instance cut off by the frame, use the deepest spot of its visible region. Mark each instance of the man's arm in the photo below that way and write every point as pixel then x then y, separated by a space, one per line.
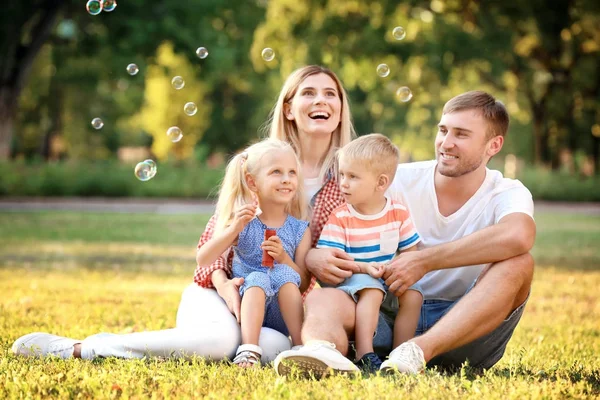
pixel 513 235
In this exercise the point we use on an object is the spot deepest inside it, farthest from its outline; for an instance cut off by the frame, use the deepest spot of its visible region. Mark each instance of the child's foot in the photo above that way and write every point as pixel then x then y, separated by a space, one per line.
pixel 369 363
pixel 247 355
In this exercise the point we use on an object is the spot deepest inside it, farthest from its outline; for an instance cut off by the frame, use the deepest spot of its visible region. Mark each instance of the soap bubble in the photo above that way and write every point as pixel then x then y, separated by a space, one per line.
pixel 201 52
pixel 97 123
pixel 404 94
pixel 268 54
pixel 178 82
pixel 109 5
pixel 174 134
pixel 190 108
pixel 132 69
pixel 153 167
pixel 143 171
pixel 94 7
pixel 383 70
pixel 399 33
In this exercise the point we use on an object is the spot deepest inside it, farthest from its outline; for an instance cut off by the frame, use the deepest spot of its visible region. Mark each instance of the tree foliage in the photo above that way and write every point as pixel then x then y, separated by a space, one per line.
pixel 540 59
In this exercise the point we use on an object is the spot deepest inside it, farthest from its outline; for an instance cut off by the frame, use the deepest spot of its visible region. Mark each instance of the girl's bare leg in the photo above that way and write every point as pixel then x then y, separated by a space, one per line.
pixel 407 318
pixel 252 316
pixel 292 310
pixel 367 315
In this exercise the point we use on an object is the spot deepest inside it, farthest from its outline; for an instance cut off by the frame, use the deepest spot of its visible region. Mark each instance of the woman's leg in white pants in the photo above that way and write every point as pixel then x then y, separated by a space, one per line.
pixel 205 327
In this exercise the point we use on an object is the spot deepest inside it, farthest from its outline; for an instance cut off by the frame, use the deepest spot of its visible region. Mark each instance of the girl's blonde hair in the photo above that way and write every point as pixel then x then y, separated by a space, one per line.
pixel 235 192
pixel 279 127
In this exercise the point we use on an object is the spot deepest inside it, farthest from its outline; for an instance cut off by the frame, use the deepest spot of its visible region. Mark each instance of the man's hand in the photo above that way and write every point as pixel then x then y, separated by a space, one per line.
pixel 404 271
pixel 331 266
pixel 230 292
pixel 274 248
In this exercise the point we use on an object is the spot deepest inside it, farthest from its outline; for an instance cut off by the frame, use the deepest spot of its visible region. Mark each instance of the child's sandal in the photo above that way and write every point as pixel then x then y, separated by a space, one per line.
pixel 248 353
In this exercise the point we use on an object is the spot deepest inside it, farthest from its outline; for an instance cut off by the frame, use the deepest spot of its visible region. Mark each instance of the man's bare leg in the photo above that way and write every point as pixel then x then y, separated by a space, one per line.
pixel 330 316
pixel 500 289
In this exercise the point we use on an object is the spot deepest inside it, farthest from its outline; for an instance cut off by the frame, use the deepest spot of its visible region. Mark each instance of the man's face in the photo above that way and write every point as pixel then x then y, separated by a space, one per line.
pixel 461 144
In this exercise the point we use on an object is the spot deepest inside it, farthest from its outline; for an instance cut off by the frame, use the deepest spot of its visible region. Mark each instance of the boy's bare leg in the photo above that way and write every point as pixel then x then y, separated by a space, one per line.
pixel 252 316
pixel 292 310
pixel 367 315
pixel 407 318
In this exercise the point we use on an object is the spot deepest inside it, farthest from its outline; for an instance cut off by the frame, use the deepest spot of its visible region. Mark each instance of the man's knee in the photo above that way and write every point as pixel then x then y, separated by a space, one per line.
pixel 518 269
pixel 330 303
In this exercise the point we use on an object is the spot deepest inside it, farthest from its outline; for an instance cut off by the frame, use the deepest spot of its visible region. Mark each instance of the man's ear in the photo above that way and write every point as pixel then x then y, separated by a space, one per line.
pixel 383 181
pixel 251 182
pixel 287 111
pixel 495 145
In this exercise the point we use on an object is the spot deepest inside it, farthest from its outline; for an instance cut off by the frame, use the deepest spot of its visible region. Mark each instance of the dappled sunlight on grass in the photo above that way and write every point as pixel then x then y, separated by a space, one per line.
pixel 79 285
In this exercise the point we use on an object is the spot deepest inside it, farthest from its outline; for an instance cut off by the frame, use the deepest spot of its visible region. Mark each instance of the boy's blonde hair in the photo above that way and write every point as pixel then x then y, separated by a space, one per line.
pixel 235 192
pixel 375 151
pixel 279 127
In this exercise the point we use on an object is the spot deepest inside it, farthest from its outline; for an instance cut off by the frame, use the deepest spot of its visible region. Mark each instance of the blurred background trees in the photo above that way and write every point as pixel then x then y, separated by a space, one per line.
pixel 60 67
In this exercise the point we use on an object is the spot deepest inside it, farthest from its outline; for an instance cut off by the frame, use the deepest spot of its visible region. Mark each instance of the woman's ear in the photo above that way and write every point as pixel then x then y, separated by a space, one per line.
pixel 287 111
pixel 251 182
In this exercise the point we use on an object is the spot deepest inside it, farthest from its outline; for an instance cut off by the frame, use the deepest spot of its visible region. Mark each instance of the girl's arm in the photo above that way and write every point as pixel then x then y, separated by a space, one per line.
pixel 300 264
pixel 216 246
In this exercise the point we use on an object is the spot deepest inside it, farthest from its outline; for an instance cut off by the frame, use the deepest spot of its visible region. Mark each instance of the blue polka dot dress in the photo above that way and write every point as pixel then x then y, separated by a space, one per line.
pixel 247 260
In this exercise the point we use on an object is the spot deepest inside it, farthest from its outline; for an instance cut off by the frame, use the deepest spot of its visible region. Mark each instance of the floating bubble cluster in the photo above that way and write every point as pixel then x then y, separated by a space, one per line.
pixel 190 108
pixel 174 134
pixel 145 170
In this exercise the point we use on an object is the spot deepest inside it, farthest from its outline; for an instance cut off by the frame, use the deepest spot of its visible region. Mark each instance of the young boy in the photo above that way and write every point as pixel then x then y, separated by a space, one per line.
pixel 372 228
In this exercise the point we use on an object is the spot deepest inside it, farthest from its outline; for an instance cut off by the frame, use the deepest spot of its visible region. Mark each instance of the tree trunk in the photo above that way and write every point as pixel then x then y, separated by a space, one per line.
pixel 8 113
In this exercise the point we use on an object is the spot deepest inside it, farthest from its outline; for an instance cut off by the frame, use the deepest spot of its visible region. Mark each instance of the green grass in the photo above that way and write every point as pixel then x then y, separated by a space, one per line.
pixel 77 274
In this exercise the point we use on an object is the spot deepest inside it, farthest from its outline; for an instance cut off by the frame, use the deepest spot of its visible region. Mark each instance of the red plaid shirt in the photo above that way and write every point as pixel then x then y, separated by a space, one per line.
pixel 325 201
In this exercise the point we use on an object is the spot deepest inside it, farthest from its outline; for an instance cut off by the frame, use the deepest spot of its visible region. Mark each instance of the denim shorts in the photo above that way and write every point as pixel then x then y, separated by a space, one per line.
pixel 481 353
pixel 358 282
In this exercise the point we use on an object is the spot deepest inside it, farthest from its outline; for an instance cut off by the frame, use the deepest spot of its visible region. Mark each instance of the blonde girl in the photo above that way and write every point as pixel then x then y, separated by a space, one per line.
pixel 266 176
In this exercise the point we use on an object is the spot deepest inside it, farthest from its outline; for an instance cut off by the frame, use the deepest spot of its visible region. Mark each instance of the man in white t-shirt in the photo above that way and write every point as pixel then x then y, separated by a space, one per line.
pixel 474 264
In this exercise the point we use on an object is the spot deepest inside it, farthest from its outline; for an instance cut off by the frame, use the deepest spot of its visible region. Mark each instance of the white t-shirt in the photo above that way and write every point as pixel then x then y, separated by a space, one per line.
pixel 497 197
pixel 311 187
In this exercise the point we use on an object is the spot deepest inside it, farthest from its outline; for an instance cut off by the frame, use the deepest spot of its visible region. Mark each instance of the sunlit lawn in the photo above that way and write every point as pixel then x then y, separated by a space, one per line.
pixel 77 274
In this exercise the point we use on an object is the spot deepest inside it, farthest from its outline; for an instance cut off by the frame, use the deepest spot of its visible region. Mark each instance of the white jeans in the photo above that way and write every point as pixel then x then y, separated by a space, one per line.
pixel 205 327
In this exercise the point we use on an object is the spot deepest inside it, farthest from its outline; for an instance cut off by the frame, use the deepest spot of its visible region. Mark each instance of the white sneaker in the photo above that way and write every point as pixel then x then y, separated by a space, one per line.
pixel 39 344
pixel 407 358
pixel 317 358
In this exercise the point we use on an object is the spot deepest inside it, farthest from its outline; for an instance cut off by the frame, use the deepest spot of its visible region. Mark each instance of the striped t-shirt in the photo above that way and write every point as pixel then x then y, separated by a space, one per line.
pixel 370 237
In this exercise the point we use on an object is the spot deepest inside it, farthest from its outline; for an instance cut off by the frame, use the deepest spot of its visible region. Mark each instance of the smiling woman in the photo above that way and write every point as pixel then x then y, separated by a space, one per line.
pixel 311 114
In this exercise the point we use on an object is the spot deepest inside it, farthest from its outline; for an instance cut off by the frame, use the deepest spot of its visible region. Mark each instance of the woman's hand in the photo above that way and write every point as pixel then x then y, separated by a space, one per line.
pixel 242 217
pixel 229 290
pixel 331 266
pixel 274 248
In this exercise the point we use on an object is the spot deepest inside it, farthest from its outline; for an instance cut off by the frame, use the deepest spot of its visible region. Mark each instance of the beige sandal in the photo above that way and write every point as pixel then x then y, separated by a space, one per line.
pixel 248 353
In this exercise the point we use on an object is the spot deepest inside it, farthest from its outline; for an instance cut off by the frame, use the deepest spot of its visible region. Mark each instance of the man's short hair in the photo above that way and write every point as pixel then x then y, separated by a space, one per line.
pixel 375 151
pixel 492 110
